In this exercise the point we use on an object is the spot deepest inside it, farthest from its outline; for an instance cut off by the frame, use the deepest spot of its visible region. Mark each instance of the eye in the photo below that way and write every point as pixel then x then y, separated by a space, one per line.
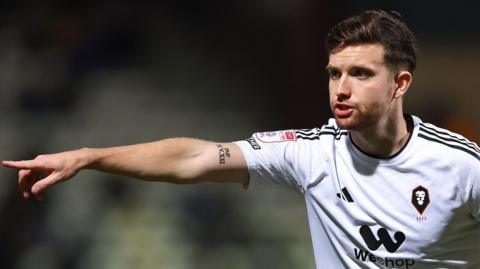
pixel 362 73
pixel 334 74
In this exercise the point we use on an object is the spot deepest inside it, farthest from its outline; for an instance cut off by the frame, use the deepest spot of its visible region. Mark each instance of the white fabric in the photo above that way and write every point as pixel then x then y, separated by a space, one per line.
pixel 379 199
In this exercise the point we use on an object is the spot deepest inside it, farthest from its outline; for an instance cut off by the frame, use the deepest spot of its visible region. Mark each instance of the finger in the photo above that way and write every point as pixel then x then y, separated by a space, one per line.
pixel 40 186
pixel 27 178
pixel 21 164
pixel 25 182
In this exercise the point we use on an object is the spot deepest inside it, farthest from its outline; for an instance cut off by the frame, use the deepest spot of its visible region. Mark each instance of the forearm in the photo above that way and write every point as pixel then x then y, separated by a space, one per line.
pixel 176 160
pixel 170 160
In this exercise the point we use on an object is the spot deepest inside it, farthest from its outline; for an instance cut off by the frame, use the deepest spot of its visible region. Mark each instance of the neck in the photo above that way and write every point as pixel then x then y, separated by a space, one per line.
pixel 386 138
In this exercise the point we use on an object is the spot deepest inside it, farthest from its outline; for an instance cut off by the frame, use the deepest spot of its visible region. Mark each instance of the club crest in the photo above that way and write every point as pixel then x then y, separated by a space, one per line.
pixel 420 199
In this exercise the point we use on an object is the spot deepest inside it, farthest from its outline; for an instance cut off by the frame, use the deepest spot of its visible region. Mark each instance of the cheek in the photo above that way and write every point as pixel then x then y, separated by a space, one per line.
pixel 364 92
pixel 331 92
pixel 331 85
pixel 374 92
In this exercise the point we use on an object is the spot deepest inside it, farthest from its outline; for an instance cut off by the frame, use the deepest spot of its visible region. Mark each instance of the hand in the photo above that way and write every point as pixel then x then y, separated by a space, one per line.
pixel 37 175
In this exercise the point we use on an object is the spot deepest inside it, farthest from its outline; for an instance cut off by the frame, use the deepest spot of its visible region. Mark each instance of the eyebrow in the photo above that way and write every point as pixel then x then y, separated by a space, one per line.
pixel 331 67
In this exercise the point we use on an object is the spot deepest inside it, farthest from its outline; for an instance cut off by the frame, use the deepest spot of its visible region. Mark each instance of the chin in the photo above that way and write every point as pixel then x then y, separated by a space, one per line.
pixel 351 123
pixel 346 123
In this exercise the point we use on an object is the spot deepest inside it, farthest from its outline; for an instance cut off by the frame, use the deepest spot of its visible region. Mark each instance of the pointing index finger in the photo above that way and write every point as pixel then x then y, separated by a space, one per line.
pixel 19 164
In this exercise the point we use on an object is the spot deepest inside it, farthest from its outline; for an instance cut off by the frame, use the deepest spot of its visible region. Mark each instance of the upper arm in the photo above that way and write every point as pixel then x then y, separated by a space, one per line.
pixel 216 162
pixel 277 156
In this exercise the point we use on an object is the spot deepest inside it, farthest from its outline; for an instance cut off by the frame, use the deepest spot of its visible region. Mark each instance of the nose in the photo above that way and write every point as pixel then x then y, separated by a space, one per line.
pixel 342 87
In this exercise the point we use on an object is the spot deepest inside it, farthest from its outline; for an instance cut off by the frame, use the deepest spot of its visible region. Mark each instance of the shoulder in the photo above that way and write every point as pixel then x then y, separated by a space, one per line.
pixel 447 141
pixel 294 141
pixel 328 130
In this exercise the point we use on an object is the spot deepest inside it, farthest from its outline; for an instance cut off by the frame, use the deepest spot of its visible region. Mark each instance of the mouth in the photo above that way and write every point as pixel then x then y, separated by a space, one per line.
pixel 342 110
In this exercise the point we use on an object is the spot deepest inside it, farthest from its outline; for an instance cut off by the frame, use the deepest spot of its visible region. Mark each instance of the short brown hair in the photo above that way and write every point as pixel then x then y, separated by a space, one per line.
pixel 377 26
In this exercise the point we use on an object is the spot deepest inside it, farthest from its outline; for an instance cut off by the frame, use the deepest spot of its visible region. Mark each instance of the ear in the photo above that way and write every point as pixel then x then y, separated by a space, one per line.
pixel 402 82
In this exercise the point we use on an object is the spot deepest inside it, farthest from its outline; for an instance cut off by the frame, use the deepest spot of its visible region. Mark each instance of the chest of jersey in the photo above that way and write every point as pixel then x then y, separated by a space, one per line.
pixel 389 215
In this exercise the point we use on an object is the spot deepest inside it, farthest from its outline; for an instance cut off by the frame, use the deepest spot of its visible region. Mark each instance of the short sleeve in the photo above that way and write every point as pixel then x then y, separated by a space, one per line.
pixel 274 156
pixel 475 191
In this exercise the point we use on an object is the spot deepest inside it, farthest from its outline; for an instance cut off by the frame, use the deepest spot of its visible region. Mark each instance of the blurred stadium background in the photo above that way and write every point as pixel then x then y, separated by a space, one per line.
pixel 104 73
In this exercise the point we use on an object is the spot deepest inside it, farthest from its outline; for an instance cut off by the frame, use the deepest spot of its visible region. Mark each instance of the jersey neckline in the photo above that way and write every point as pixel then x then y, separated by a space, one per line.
pixel 398 156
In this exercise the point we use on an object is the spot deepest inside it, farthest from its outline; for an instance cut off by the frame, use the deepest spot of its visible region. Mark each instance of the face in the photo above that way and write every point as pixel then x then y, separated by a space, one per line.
pixel 361 86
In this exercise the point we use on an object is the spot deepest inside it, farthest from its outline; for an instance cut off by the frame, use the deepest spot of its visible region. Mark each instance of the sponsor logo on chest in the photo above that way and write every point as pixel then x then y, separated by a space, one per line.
pixel 389 243
pixel 381 238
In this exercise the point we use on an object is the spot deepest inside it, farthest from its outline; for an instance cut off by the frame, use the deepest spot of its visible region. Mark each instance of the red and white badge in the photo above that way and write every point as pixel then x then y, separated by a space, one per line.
pixel 278 136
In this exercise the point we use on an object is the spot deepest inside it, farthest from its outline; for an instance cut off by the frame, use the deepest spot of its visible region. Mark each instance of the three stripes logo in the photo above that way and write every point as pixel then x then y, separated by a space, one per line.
pixel 314 134
pixel 345 195
pixel 308 134
pixel 444 137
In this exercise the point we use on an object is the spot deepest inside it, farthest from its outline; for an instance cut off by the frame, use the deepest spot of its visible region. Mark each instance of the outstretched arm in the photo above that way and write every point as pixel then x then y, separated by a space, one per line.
pixel 176 160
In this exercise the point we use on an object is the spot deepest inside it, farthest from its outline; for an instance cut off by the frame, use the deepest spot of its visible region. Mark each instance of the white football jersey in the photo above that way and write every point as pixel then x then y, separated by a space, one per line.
pixel 417 209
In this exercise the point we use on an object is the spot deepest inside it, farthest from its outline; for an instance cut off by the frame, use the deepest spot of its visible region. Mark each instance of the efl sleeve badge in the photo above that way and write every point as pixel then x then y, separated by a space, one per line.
pixel 277 136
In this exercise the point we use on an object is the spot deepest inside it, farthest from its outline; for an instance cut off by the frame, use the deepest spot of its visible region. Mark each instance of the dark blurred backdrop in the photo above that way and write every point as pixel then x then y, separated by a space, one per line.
pixel 104 73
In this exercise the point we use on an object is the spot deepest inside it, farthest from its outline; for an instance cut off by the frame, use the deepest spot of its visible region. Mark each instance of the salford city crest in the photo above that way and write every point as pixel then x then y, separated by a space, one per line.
pixel 420 199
